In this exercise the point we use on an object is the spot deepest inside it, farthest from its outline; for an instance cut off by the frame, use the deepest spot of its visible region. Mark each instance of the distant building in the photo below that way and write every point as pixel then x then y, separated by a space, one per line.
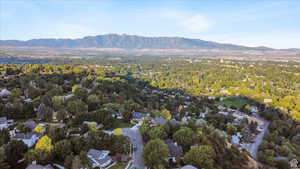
pixel 99 158
pixel 268 100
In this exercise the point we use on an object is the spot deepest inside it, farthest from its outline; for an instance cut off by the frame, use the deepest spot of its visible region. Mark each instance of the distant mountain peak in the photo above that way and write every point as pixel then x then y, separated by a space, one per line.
pixel 125 41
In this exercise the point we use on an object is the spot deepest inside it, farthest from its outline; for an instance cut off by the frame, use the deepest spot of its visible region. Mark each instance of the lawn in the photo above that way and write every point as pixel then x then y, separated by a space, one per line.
pixel 235 102
pixel 121 124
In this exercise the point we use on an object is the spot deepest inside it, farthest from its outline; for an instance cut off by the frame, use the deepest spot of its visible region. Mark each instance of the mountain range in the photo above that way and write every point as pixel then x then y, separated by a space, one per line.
pixel 128 42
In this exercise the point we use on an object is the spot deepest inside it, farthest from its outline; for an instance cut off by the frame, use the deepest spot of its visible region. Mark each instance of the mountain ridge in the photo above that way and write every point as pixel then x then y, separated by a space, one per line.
pixel 125 41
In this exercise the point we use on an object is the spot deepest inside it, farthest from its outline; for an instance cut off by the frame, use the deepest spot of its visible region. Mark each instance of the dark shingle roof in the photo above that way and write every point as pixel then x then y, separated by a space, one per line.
pixel 174 149
pixel 99 155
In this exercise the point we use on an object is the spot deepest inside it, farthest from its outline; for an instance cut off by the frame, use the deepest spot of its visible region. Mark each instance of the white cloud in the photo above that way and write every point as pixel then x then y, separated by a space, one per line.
pixel 191 22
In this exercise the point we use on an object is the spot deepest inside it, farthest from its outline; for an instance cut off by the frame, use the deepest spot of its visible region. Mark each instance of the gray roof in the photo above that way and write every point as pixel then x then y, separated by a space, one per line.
pixel 101 156
pixel 31 124
pixel 174 122
pixel 25 135
pixel 188 167
pixel 137 115
pixel 3 119
pixel 159 120
pixel 4 93
pixel 36 166
pixel 174 149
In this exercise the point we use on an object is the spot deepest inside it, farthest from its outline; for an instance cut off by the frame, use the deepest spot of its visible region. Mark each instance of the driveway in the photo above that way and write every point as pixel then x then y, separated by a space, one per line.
pixel 137 141
pixel 253 147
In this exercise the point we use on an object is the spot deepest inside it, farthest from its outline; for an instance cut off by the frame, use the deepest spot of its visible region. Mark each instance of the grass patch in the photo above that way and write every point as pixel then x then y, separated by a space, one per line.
pixel 121 124
pixel 235 102
pixel 120 165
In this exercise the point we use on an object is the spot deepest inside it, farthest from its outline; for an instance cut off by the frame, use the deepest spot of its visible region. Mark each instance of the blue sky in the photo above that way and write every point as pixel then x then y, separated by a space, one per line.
pixel 273 23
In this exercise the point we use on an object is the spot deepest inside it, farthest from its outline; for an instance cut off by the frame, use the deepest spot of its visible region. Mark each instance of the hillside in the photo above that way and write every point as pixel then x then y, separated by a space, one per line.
pixel 128 42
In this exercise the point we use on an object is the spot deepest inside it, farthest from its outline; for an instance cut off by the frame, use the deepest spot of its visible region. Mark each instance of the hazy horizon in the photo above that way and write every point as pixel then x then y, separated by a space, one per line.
pixel 248 23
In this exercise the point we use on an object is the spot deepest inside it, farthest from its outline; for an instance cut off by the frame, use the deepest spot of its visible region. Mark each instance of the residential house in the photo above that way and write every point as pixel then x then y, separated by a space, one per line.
pixel 188 167
pixel 31 124
pixel 28 138
pixel 68 96
pixel 175 150
pixel 211 98
pixel 99 158
pixel 4 93
pixel 223 113
pixel 157 121
pixel 40 114
pixel 44 112
pixel 174 122
pixel 236 138
pixel 5 123
pixel 254 109
pixel 137 117
pixel 37 166
pixel 28 100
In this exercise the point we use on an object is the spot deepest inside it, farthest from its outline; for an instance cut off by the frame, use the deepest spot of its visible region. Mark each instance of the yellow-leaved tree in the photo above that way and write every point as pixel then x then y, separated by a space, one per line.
pixel 39 129
pixel 118 131
pixel 166 114
pixel 93 126
pixel 45 144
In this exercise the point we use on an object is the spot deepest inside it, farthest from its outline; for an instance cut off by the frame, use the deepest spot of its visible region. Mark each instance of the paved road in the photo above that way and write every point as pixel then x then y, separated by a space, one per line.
pixel 253 148
pixel 137 141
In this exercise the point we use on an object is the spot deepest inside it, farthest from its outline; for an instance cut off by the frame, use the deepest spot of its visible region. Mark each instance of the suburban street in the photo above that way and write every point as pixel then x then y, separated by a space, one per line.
pixel 137 141
pixel 253 148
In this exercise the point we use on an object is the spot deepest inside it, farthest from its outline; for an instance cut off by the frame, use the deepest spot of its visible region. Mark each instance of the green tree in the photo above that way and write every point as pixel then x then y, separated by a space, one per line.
pixel 4 136
pixel 157 132
pixel 81 93
pixel 155 153
pixel 58 101
pixel 3 159
pixel 201 157
pixel 62 149
pixel 38 155
pixel 184 137
pixel 93 101
pixel 75 107
pixel 15 151
pixel 231 129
